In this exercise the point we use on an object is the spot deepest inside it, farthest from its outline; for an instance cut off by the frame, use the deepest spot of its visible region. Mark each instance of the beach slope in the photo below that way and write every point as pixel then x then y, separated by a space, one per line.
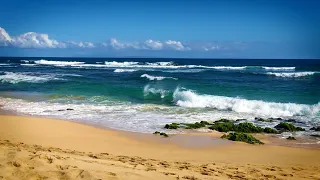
pixel 40 148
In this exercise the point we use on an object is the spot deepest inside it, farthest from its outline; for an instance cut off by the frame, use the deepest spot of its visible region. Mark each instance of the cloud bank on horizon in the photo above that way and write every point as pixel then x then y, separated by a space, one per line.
pixel 39 40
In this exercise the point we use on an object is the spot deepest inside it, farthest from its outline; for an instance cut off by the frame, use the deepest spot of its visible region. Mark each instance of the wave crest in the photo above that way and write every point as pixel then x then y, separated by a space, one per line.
pixel 147 90
pixel 124 70
pixel 152 78
pixel 291 75
pixel 57 63
pixel 188 98
pixel 14 78
pixel 278 68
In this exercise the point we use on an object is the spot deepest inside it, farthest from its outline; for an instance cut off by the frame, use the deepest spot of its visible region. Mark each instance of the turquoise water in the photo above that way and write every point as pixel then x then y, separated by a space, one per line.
pixel 144 94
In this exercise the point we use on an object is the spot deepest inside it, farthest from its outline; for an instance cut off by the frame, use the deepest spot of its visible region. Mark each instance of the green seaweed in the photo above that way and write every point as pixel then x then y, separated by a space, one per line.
pixel 284 126
pixel 196 125
pixel 223 126
pixel 243 137
pixel 248 128
pixel 270 130
pixel 226 126
pixel 172 126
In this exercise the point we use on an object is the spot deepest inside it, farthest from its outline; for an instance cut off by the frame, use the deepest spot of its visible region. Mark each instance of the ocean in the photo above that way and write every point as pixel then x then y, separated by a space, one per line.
pixel 144 94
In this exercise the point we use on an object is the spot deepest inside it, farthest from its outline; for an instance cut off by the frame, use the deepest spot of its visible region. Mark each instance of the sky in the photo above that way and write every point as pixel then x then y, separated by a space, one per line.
pixel 161 28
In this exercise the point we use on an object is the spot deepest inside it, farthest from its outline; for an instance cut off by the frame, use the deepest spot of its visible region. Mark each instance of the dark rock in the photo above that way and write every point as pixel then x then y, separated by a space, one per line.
pixel 315 128
pixel 315 135
pixel 69 109
pixel 291 138
pixel 172 126
pixel 265 120
pixel 61 110
pixel 164 134
pixel 291 120
pixel 240 120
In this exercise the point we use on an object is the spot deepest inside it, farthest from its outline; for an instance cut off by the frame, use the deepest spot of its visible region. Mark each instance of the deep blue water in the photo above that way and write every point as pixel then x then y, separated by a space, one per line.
pixel 143 94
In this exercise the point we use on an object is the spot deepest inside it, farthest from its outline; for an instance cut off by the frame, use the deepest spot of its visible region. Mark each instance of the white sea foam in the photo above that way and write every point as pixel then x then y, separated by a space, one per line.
pixel 3 64
pixel 28 64
pixel 291 75
pixel 226 67
pixel 278 68
pixel 17 77
pixel 152 78
pixel 119 64
pixel 150 90
pixel 127 116
pixel 188 98
pixel 58 63
pixel 25 61
pixel 161 63
pixel 124 70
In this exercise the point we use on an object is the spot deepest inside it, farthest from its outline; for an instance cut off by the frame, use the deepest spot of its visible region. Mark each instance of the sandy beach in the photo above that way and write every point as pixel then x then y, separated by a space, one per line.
pixel 40 148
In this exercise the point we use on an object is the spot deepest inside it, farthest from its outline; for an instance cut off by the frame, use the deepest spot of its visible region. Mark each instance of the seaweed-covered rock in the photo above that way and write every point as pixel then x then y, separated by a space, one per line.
pixel 227 125
pixel 223 121
pixel 291 138
pixel 270 130
pixel 291 120
pixel 164 134
pixel 205 123
pixel 248 138
pixel 284 126
pixel 315 128
pixel 161 134
pixel 248 128
pixel 172 126
pixel 196 125
pixel 267 120
pixel 223 126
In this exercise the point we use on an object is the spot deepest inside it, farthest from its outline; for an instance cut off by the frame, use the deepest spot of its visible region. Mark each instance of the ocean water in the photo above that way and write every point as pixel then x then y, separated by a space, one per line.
pixel 144 94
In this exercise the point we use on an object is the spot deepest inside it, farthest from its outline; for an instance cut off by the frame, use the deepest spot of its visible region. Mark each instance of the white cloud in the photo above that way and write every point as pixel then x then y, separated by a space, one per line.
pixel 211 48
pixel 176 45
pixel 38 40
pixel 154 45
pixel 34 40
pixel 116 44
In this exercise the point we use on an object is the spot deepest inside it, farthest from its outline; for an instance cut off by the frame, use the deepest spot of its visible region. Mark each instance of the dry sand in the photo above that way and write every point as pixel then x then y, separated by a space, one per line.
pixel 39 148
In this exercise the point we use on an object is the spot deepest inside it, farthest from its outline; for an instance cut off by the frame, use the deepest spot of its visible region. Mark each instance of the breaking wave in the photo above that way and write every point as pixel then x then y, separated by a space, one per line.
pixel 278 68
pixel 124 70
pixel 57 63
pixel 189 98
pixel 227 67
pixel 150 91
pixel 14 78
pixel 152 78
pixel 291 75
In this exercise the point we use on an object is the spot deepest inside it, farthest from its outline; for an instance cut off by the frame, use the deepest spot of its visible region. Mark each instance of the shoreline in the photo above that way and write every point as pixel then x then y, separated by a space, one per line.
pixel 182 139
pixel 51 138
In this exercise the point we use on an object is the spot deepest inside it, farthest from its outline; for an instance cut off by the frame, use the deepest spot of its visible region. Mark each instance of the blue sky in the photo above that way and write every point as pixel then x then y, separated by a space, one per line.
pixel 176 28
